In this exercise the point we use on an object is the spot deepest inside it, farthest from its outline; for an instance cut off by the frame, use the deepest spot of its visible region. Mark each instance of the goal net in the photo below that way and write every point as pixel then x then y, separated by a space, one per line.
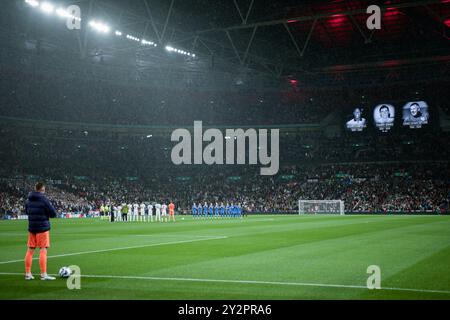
pixel 321 207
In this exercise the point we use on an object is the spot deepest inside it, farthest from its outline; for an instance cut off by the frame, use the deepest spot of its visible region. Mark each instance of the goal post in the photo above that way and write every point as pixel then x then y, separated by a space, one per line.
pixel 321 207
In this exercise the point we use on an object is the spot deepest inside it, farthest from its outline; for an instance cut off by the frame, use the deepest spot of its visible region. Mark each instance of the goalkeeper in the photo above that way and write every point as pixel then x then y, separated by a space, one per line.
pixel 39 211
pixel 124 212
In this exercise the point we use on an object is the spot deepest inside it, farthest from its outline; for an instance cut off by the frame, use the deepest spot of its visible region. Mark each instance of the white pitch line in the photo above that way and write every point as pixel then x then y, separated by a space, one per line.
pixel 169 235
pixel 300 284
pixel 121 248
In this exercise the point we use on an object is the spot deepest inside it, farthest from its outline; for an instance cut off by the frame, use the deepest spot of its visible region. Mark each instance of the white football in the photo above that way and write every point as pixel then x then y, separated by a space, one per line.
pixel 65 272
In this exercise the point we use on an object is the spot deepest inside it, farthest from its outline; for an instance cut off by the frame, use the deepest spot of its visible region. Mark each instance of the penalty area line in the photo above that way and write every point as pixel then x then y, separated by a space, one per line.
pixel 121 248
pixel 279 283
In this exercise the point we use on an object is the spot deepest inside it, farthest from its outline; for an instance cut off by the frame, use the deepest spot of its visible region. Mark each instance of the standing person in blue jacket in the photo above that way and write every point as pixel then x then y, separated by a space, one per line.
pixel 39 211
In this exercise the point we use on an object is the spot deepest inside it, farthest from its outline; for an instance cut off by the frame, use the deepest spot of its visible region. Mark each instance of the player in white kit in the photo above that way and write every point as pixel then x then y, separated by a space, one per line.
pixel 150 213
pixel 119 212
pixel 142 212
pixel 115 212
pixel 164 212
pixel 158 212
pixel 130 212
pixel 135 212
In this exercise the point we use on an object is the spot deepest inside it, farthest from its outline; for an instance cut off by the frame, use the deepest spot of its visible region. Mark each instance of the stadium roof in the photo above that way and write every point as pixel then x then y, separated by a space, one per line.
pixel 276 38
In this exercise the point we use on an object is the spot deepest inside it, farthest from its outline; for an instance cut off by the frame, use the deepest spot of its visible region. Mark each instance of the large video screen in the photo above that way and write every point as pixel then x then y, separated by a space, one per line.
pixel 415 114
pixel 357 123
pixel 384 117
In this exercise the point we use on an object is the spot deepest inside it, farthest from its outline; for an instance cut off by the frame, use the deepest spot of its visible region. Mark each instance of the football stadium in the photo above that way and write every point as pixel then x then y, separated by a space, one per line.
pixel 225 150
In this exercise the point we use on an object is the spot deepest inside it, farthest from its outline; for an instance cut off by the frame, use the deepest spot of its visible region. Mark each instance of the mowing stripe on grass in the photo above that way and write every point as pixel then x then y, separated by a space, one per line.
pixel 279 283
pixel 120 248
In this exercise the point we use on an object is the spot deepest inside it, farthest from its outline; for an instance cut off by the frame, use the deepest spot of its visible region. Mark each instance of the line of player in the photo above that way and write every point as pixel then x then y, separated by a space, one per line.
pixel 210 211
pixel 138 212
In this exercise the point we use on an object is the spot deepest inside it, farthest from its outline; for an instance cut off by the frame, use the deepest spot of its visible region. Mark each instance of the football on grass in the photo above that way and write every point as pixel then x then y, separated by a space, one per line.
pixel 65 272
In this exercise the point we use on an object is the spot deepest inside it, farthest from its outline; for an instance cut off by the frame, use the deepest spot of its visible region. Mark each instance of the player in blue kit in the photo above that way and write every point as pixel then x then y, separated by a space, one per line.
pixel 211 210
pixel 216 210
pixel 222 210
pixel 227 210
pixel 205 210
pixel 199 210
pixel 239 210
pixel 194 211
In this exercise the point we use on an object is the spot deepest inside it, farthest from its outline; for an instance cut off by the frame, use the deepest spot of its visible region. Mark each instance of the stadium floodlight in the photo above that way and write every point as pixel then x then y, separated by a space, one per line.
pixel 62 13
pixel 118 33
pixel 47 7
pixel 145 42
pixel 171 49
pixel 133 38
pixel 32 3
pixel 99 26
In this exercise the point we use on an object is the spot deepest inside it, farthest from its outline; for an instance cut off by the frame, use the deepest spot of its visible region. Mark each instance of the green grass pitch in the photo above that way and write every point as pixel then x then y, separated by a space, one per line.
pixel 258 257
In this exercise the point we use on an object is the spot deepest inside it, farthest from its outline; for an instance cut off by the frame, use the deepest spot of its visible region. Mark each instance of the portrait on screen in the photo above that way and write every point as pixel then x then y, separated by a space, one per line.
pixel 358 123
pixel 384 116
pixel 415 114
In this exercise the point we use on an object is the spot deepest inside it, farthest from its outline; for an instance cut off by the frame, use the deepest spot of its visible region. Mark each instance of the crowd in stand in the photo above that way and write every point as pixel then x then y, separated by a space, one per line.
pixel 376 188
pixel 49 151
pixel 399 172
pixel 14 191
